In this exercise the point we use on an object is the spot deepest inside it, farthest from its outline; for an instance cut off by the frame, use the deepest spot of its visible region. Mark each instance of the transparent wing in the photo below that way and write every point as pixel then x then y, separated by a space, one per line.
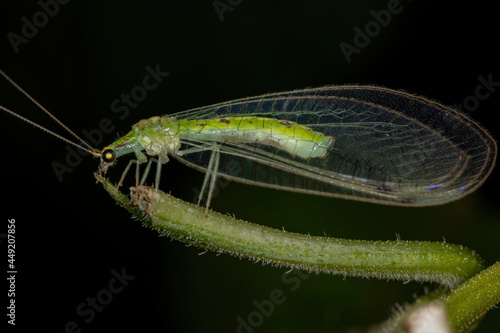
pixel 389 146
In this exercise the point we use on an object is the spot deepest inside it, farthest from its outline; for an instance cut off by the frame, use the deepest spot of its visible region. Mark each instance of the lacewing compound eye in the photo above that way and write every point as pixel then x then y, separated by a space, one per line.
pixel 108 156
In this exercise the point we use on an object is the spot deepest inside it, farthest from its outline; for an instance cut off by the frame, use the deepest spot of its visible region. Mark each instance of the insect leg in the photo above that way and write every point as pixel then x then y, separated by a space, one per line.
pixel 125 173
pixel 216 155
pixel 207 177
pixel 210 175
pixel 159 162
pixel 146 171
pixel 158 171
pixel 194 149
pixel 137 173
pixel 141 158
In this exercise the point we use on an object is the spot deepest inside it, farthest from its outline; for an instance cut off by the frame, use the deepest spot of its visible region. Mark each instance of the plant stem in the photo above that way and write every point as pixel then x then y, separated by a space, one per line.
pixel 444 263
pixel 471 300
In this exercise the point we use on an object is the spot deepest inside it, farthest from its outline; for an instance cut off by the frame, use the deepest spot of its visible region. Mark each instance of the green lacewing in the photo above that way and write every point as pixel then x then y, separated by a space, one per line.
pixel 364 143
pixel 358 142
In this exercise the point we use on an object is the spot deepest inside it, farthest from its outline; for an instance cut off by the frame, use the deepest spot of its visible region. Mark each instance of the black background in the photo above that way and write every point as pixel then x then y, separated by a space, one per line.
pixel 70 235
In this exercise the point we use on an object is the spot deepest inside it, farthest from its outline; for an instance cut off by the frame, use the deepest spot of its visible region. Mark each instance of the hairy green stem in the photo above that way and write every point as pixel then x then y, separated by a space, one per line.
pixel 444 263
pixel 471 300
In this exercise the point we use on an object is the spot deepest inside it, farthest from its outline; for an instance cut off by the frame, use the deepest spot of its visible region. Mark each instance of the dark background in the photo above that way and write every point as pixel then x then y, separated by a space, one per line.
pixel 70 235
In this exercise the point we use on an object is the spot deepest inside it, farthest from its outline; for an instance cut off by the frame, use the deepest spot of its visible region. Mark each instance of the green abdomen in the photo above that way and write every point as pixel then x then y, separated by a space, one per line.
pixel 291 137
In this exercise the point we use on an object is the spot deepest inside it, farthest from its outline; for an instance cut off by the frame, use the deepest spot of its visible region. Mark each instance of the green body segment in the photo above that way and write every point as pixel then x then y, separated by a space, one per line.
pixel 162 135
pixel 296 139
